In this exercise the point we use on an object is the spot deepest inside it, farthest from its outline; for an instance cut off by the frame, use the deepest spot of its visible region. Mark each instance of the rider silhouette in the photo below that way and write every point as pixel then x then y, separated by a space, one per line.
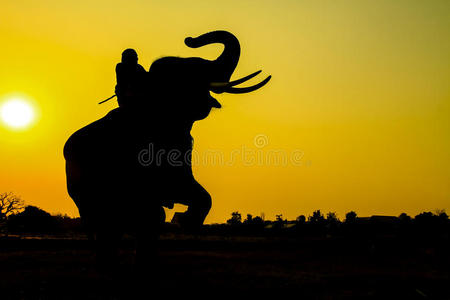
pixel 130 77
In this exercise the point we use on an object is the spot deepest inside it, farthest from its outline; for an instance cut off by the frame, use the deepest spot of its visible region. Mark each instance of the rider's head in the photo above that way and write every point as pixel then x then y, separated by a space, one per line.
pixel 129 56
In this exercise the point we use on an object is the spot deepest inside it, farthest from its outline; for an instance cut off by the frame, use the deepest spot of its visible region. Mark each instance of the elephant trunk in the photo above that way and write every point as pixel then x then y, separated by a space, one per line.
pixel 224 66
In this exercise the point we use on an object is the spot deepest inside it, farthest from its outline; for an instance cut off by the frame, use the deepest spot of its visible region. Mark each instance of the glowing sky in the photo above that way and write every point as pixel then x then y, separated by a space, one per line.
pixel 359 102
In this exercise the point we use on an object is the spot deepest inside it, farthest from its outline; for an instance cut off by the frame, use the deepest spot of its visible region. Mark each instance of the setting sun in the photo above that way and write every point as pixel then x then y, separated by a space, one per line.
pixel 17 113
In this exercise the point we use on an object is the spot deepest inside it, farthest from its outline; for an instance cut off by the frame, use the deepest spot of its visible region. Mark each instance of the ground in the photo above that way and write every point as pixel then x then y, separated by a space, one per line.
pixel 316 268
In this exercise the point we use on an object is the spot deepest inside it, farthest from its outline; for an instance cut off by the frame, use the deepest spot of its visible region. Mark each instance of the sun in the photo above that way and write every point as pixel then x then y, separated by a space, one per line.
pixel 17 113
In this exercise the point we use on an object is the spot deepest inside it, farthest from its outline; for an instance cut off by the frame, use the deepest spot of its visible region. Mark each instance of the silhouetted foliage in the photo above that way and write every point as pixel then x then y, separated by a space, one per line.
pixel 66 224
pixel 321 226
pixel 442 215
pixel 332 218
pixel 332 222
pixel 301 220
pixel 236 219
pixel 257 221
pixel 32 220
pixel 249 219
pixel 350 217
pixel 317 218
pixel 426 219
pixel 404 218
pixel 9 204
pixel 252 225
pixel 252 221
pixel 279 222
pixel 430 224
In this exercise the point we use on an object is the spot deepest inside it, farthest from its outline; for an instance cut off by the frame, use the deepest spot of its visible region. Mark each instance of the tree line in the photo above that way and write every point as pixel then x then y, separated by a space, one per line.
pixel 16 217
pixel 319 224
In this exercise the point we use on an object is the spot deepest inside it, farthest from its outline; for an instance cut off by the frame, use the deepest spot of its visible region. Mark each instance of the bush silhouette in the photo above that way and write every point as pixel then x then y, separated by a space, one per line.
pixel 236 219
pixel 317 218
pixel 32 220
pixel 350 217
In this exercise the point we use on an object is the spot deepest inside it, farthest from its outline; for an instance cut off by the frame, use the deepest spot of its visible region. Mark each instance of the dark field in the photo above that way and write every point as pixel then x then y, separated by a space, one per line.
pixel 315 268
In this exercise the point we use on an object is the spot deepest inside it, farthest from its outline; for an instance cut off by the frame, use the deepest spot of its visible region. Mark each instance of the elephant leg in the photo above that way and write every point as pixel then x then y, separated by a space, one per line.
pixel 199 203
pixel 107 247
pixel 147 250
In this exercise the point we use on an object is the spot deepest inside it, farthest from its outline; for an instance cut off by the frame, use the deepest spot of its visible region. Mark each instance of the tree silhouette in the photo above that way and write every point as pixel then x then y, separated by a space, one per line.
pixel 301 219
pixel 32 220
pixel 350 217
pixel 257 221
pixel 279 222
pixel 316 218
pixel 332 218
pixel 404 218
pixel 249 219
pixel 9 204
pixel 236 219
pixel 425 218
pixel 442 214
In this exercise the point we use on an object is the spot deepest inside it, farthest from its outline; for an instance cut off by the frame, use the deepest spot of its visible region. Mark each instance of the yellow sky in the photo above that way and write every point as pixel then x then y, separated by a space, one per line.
pixel 359 102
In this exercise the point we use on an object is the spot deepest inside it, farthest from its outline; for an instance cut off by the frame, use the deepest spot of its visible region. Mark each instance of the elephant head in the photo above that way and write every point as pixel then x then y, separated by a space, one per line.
pixel 185 83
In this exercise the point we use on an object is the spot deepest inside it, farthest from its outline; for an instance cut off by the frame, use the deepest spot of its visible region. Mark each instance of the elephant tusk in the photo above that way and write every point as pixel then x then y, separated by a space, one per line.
pixel 233 90
pixel 224 85
pixel 218 85
pixel 243 79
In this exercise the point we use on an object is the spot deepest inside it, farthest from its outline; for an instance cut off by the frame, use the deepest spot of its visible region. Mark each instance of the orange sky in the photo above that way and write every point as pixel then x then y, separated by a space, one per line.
pixel 358 105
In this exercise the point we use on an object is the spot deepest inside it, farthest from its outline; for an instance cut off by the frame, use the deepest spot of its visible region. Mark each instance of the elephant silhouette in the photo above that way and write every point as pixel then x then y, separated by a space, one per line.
pixel 112 173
